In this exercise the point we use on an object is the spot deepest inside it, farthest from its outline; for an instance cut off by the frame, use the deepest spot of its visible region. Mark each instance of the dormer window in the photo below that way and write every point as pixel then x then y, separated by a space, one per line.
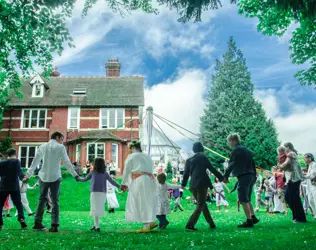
pixel 79 91
pixel 38 90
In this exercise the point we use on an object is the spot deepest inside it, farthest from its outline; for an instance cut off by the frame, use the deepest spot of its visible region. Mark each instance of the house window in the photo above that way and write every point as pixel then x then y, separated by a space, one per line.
pixel 73 117
pixel 112 118
pixel 115 154
pixel 38 90
pixel 78 152
pixel 27 154
pixel 34 118
pixel 95 150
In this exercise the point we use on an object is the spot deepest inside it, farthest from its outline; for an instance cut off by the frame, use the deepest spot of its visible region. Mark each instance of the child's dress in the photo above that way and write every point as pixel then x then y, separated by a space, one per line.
pixel 220 194
pixel 163 198
pixel 111 196
pixel 98 191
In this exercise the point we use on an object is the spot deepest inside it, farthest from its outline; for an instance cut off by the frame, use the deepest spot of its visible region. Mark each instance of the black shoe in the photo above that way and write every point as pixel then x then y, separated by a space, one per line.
pixel 212 225
pixel 53 229
pixel 181 208
pixel 246 224
pixel 92 229
pixel 165 225
pixel 110 211
pixel 9 215
pixel 190 228
pixel 254 219
pixel 39 227
pixel 23 224
pixel 97 230
pixel 31 214
pixel 113 211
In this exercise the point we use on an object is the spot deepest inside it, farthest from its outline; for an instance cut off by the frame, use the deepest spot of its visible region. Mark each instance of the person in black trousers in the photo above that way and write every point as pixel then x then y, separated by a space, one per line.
pixel 195 168
pixel 294 177
pixel 242 166
pixel 10 173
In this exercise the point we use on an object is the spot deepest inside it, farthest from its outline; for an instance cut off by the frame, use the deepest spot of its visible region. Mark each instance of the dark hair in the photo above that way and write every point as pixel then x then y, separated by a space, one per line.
pixel 11 152
pixel 234 137
pixel 309 155
pixel 216 180
pixel 135 144
pixel 55 135
pixel 290 146
pixel 198 147
pixel 162 178
pixel 99 165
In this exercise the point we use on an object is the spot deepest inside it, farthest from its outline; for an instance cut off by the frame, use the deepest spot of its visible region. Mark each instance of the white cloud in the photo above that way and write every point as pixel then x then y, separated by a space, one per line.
pixel 297 126
pixel 179 100
pixel 288 34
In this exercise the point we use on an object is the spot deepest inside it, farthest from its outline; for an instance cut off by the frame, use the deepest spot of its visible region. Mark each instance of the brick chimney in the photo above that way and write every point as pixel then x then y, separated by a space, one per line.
pixel 54 72
pixel 113 68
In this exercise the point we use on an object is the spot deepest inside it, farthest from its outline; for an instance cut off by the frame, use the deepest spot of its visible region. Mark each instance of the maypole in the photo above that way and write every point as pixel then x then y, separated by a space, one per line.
pixel 149 126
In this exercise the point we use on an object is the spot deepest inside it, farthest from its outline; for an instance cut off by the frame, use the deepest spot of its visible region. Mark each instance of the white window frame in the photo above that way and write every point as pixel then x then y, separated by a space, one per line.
pixel 95 151
pixel 37 124
pixel 116 162
pixel 27 152
pixel 69 118
pixel 108 118
pixel 78 154
pixel 34 89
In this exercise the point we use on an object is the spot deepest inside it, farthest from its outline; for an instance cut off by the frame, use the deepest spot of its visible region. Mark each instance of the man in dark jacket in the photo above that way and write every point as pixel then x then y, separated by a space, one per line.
pixel 242 166
pixel 10 173
pixel 195 168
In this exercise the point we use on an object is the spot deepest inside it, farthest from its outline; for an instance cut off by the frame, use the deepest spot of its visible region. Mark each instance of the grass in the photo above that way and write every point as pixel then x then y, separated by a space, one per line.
pixel 273 232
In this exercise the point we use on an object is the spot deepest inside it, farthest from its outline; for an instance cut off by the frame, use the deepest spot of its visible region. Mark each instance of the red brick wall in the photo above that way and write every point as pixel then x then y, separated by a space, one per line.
pixel 59 121
pixel 89 113
pixel 89 123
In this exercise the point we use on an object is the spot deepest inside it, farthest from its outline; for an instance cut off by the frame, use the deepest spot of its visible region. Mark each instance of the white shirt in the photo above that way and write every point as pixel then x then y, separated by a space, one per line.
pixel 51 153
pixel 181 166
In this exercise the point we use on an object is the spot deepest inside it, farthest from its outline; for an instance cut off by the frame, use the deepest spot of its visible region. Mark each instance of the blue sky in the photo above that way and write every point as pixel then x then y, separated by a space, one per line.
pixel 177 62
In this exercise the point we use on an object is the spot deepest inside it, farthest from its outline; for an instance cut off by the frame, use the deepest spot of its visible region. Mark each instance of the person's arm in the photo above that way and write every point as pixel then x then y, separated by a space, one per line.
pixel 173 186
pixel 231 164
pixel 110 179
pixel 286 164
pixel 20 172
pixel 88 177
pixel 127 171
pixel 36 161
pixel 66 162
pixel 226 187
pixel 312 174
pixel 186 174
pixel 213 170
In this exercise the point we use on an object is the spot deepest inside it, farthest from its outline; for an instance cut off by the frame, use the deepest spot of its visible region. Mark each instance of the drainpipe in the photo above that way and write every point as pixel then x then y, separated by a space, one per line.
pixel 10 123
pixel 131 124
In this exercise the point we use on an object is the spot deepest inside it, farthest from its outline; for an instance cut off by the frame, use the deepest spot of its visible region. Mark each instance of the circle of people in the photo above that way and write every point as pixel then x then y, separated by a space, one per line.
pixel 149 193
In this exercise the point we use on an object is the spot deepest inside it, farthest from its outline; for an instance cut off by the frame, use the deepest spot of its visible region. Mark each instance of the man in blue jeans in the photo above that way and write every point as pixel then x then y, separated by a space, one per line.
pixel 10 173
pixel 242 166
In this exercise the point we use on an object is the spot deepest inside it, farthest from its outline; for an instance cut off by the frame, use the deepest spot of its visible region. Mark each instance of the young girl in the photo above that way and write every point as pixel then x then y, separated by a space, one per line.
pixel 269 195
pixel 220 195
pixel 111 196
pixel 176 194
pixel 98 177
pixel 163 201
pixel 23 189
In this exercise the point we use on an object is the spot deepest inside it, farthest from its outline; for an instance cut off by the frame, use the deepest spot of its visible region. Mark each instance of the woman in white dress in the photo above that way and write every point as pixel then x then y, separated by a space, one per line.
pixel 311 182
pixel 141 205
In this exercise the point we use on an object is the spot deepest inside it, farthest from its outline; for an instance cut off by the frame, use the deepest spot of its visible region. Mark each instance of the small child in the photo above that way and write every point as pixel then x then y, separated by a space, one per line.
pixel 220 195
pixel 111 196
pixel 233 190
pixel 99 178
pixel 269 195
pixel 163 201
pixel 23 189
pixel 7 207
pixel 176 194
pixel 281 159
pixel 179 177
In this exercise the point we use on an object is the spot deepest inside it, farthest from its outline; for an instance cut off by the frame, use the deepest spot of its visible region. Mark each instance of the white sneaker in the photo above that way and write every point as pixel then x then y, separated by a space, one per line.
pixel 217 211
pixel 226 211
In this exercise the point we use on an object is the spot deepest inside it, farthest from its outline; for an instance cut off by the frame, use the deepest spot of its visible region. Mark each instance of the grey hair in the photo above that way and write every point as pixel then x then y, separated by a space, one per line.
pixel 234 137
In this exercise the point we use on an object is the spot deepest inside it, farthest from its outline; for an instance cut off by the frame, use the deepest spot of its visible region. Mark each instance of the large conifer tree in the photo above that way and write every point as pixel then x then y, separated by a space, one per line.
pixel 231 107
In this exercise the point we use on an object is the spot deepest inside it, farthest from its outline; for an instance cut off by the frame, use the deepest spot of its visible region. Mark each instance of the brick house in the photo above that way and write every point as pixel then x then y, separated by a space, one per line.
pixel 86 110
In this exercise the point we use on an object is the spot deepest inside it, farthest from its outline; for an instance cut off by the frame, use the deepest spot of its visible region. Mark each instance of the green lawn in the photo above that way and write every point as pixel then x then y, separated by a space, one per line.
pixel 273 232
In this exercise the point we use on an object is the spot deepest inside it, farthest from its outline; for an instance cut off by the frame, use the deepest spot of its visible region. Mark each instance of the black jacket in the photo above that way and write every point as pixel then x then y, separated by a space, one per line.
pixel 240 162
pixel 10 173
pixel 195 168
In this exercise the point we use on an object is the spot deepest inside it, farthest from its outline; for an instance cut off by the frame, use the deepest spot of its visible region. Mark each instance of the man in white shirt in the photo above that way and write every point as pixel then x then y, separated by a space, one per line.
pixel 51 154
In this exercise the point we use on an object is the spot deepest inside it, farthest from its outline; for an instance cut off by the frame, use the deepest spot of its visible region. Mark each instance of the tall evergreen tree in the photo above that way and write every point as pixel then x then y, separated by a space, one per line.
pixel 231 107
